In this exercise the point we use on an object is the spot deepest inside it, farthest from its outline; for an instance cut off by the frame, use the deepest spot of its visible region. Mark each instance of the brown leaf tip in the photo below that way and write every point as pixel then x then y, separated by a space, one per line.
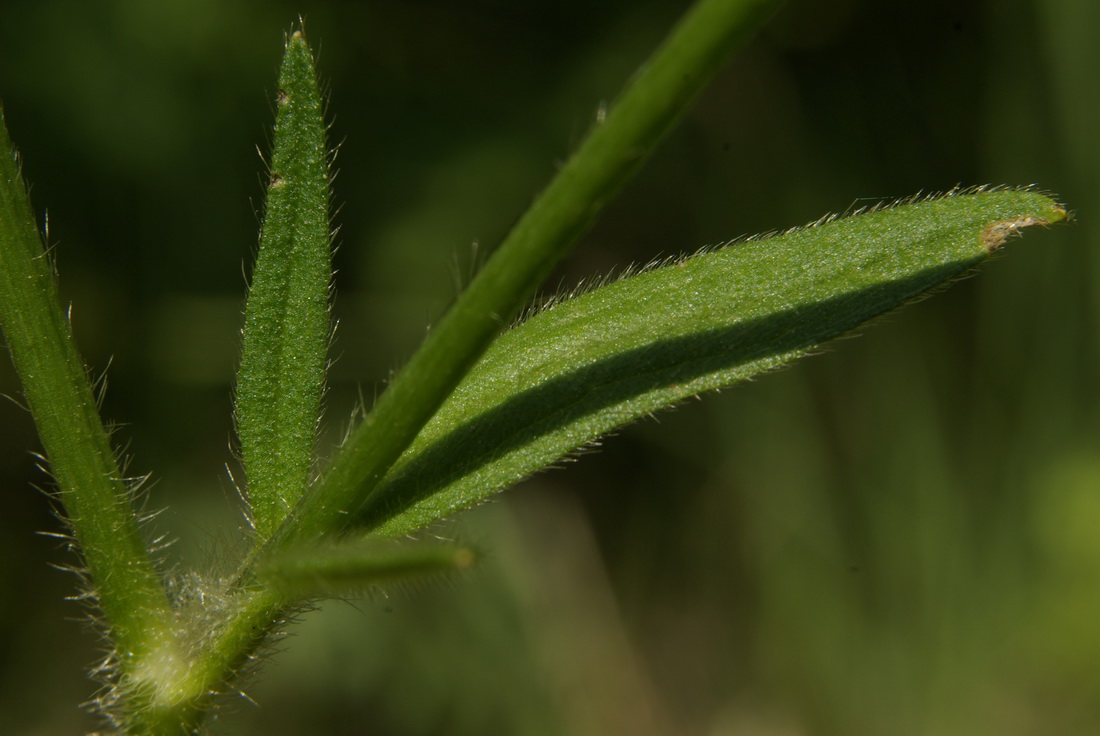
pixel 995 235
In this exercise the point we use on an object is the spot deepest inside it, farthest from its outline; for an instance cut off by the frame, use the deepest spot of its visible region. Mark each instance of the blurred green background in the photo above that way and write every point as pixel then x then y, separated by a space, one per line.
pixel 899 536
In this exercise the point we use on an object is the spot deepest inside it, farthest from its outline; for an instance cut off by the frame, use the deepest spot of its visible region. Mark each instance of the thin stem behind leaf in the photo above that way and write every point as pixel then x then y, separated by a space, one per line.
pixel 650 106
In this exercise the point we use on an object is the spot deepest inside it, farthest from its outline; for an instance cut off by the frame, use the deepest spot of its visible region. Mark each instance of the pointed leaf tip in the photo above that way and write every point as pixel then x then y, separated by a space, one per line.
pixel 998 233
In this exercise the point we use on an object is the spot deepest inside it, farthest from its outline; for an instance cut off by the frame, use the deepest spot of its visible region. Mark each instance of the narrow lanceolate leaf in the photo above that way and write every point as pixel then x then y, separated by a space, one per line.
pixel 592 363
pixel 286 327
pixel 356 566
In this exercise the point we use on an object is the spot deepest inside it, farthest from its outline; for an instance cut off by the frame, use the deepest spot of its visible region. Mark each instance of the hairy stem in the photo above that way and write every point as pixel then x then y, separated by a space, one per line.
pixel 91 488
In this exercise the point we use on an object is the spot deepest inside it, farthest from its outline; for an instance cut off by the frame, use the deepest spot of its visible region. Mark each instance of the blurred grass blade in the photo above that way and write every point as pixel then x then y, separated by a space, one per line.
pixel 587 365
pixel 357 566
pixel 286 331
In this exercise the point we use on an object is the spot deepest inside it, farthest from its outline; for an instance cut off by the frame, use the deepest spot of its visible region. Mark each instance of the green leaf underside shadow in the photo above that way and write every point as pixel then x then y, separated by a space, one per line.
pixel 587 365
pixel 286 333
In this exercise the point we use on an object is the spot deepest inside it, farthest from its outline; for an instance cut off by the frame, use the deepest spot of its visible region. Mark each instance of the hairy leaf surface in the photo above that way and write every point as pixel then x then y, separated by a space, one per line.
pixel 592 363
pixel 286 331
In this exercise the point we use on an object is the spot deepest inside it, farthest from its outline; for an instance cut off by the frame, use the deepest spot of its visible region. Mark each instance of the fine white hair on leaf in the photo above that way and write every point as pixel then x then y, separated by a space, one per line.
pixel 544 303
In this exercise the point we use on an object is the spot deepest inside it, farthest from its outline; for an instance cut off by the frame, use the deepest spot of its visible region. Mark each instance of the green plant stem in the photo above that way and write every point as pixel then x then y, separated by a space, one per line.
pixel 647 110
pixel 650 106
pixel 91 487
pixel 186 692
